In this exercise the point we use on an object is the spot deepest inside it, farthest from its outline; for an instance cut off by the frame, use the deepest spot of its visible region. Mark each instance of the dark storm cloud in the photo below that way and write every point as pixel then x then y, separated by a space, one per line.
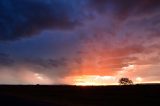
pixel 6 60
pixel 23 18
pixel 122 9
pixel 139 6
pixel 43 63
pixel 46 63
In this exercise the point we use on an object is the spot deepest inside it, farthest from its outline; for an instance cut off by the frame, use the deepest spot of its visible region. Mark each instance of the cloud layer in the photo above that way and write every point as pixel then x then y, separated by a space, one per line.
pixel 56 39
pixel 22 18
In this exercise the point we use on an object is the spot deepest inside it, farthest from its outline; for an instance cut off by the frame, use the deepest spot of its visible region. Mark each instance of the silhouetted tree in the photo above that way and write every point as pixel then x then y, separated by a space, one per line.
pixel 125 81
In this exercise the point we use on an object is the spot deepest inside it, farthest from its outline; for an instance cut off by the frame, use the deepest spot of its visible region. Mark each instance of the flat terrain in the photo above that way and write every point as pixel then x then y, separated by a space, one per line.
pixel 43 95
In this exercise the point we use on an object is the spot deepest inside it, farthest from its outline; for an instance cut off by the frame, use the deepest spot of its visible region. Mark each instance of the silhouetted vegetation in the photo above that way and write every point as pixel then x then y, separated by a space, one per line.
pixel 125 81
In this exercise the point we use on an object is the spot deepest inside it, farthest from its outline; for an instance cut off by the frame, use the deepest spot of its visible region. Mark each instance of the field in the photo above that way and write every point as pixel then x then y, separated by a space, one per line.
pixel 45 95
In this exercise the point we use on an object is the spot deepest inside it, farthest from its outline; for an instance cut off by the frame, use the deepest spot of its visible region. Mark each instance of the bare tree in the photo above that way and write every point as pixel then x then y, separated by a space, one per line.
pixel 125 81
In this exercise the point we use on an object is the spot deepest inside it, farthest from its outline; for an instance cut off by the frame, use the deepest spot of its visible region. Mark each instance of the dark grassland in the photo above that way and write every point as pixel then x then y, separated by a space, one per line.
pixel 45 95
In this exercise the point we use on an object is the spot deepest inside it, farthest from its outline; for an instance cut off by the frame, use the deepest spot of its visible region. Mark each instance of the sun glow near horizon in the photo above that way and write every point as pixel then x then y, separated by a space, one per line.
pixel 93 80
pixel 97 78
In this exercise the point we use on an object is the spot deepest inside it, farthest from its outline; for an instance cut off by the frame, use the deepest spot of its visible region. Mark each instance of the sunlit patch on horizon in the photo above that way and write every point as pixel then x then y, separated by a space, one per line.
pixel 94 80
pixel 39 76
pixel 35 78
pixel 139 79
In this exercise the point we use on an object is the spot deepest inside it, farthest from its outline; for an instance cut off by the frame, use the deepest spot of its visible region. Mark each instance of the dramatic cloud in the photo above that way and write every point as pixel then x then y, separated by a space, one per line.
pixel 21 18
pixel 5 60
pixel 65 41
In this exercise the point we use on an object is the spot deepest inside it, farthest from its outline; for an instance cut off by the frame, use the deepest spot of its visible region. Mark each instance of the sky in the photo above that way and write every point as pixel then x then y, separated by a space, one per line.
pixel 79 42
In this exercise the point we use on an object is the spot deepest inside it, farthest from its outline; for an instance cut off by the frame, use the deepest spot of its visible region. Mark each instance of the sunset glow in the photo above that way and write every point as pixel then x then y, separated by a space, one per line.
pixel 93 80
pixel 79 42
pixel 139 79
